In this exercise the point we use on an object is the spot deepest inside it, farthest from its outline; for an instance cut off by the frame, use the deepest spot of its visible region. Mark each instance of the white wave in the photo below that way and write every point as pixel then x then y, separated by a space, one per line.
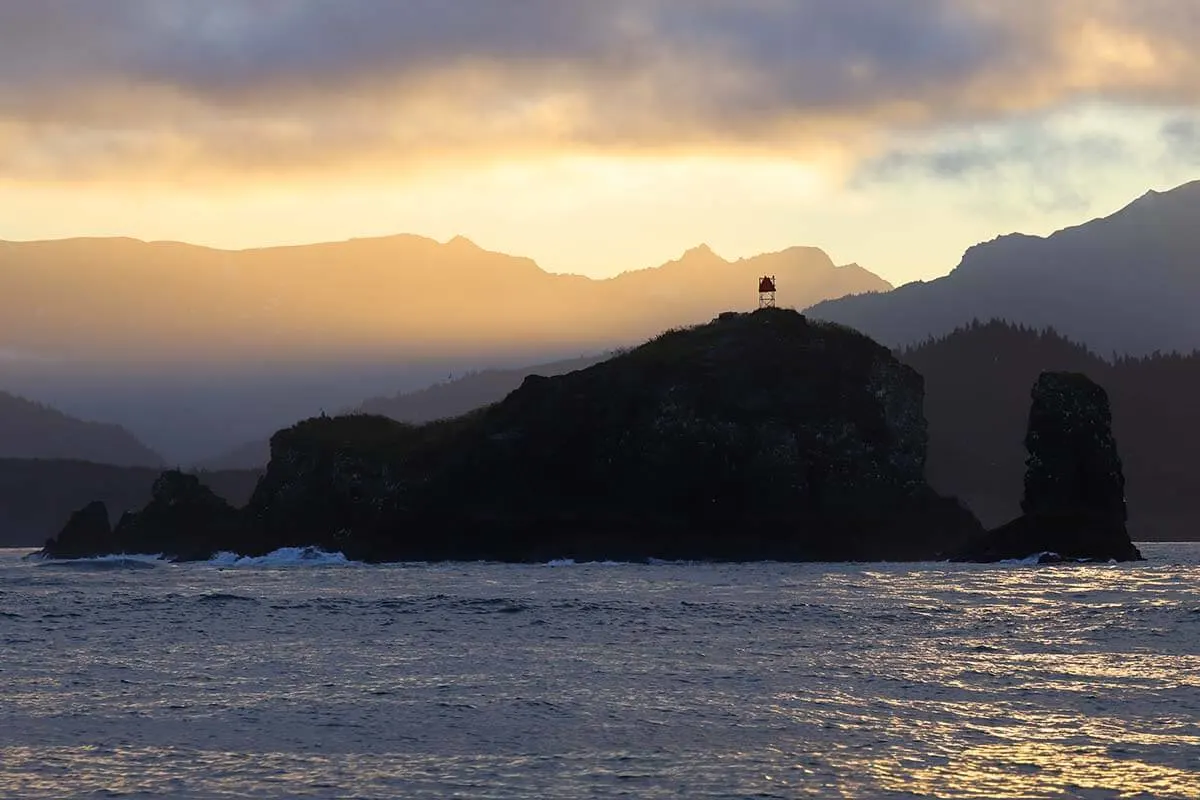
pixel 284 557
pixel 1033 560
pixel 561 562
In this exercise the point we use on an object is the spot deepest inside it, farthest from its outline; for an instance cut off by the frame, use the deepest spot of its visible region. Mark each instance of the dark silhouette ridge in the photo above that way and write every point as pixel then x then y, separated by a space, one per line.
pixel 1127 283
pixel 37 496
pixel 756 436
pixel 443 400
pixel 976 402
pixel 1074 503
pixel 977 405
pixel 35 430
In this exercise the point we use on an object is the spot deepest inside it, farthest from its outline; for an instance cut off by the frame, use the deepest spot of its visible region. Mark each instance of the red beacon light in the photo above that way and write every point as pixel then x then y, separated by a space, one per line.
pixel 766 291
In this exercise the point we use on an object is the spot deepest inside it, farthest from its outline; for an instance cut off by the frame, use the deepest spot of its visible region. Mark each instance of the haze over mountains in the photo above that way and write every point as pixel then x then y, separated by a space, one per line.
pixel 122 301
pixel 198 350
pixel 1125 284
pixel 32 430
pixel 444 399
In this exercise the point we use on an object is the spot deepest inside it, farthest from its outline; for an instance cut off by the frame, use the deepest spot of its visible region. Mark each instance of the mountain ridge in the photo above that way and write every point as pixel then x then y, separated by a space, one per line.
pixel 122 299
pixel 32 430
pixel 1126 283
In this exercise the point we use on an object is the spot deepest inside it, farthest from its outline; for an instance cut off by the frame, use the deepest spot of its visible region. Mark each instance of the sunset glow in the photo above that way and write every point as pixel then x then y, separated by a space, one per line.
pixel 594 141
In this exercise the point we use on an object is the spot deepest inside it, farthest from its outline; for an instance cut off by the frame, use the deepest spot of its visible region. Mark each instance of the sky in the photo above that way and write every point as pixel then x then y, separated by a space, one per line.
pixel 594 136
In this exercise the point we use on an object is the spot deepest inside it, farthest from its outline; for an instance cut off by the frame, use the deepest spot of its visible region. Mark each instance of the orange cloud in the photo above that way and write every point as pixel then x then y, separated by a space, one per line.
pixel 183 91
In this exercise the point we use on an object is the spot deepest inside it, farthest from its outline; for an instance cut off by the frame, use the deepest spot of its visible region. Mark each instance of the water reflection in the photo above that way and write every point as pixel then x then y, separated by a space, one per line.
pixel 664 681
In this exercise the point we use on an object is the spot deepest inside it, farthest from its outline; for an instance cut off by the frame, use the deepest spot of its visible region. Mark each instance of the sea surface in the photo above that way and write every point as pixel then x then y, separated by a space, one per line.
pixel 305 676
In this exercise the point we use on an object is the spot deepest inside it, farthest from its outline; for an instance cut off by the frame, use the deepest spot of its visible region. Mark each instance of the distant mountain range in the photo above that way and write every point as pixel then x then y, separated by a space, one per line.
pixel 229 346
pixel 402 296
pixel 196 350
pixel 1125 284
pixel 33 430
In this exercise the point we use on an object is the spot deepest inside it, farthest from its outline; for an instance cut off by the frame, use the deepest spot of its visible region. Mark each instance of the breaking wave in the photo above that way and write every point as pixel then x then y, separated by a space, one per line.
pixel 284 557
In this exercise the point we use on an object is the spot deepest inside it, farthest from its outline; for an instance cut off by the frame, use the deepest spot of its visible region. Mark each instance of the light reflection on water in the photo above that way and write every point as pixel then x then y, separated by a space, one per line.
pixel 602 680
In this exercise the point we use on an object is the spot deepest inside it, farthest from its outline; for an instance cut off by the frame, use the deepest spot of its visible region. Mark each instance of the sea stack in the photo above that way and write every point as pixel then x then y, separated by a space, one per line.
pixel 1074 502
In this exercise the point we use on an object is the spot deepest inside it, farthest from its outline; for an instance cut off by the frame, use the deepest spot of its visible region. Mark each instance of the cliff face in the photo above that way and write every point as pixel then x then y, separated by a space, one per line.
pixel 340 483
pixel 1074 499
pixel 755 436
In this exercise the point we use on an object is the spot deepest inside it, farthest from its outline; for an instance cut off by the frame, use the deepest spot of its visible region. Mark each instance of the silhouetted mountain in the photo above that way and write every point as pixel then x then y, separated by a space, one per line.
pixel 1127 284
pixel 38 496
pixel 977 403
pixel 33 430
pixel 125 300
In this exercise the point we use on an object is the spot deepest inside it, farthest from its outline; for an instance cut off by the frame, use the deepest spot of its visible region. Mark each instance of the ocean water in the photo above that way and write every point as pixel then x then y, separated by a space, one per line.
pixel 304 676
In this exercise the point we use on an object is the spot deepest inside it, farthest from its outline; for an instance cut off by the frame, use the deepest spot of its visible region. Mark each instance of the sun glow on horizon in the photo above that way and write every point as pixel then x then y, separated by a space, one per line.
pixel 599 215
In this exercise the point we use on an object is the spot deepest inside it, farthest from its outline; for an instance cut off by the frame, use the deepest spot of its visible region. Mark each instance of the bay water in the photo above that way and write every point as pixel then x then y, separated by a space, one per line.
pixel 302 675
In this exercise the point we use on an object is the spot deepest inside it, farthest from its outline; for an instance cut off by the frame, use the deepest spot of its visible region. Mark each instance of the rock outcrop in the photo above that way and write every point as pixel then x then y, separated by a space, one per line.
pixel 1074 503
pixel 756 436
pixel 184 519
pixel 199 522
pixel 88 532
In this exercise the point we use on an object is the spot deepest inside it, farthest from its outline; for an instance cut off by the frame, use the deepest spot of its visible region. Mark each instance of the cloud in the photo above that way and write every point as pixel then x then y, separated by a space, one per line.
pixel 1030 149
pixel 183 89
pixel 1181 136
pixel 1054 162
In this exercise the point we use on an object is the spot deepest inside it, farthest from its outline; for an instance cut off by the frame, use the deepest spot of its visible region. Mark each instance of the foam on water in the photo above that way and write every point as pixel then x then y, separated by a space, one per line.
pixel 284 557
pixel 1034 560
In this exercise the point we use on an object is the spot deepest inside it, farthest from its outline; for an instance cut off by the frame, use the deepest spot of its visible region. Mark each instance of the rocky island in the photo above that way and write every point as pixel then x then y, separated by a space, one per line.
pixel 762 436
pixel 1074 503
pixel 755 436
